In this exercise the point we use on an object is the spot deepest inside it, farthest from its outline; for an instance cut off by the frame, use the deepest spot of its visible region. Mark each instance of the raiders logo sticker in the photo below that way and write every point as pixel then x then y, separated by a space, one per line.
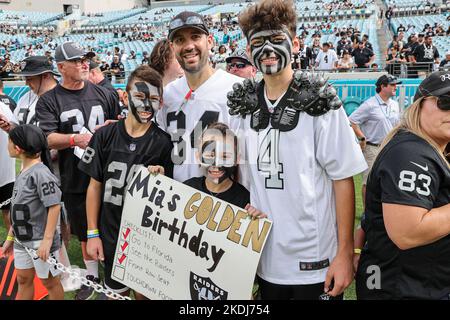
pixel 204 289
pixel 132 146
pixel 23 64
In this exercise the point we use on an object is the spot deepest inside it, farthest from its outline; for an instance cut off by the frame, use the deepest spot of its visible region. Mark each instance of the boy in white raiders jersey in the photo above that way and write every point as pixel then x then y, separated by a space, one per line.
pixel 196 100
pixel 35 209
pixel 301 155
pixel 114 154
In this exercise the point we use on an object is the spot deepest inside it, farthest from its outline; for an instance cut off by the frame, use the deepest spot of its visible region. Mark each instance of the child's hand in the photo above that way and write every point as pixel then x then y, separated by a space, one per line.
pixel 7 248
pixel 254 213
pixel 156 170
pixel 94 249
pixel 44 249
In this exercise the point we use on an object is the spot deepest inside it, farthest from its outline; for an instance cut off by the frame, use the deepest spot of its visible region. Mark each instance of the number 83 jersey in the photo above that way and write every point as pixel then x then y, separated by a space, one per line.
pixel 408 171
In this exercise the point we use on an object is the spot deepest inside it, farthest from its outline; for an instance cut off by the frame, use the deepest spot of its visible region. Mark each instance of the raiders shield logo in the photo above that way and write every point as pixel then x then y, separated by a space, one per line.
pixel 23 64
pixel 132 147
pixel 204 289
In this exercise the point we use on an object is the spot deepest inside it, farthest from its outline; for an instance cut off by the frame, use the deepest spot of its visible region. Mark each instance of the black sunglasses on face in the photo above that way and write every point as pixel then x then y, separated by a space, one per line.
pixel 237 65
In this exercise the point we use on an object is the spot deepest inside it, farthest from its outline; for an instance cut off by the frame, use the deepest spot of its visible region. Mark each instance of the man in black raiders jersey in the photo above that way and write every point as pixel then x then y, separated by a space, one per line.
pixel 123 147
pixel 68 114
pixel 407 218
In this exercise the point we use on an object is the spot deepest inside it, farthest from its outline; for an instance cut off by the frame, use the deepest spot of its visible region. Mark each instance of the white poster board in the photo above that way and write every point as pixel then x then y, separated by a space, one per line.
pixel 177 243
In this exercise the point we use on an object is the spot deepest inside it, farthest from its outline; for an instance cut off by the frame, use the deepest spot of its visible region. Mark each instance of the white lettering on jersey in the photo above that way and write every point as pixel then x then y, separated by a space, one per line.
pixel 268 159
pixel 121 168
pixel 75 113
pixel 408 182
pixel 96 117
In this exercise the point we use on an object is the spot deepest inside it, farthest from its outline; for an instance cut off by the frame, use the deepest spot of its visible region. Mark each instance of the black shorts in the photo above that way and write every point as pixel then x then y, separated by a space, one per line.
pixel 109 250
pixel 75 204
pixel 6 193
pixel 272 291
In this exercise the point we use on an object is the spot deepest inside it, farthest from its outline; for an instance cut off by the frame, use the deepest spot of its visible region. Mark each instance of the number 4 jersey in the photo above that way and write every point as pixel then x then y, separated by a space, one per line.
pixel 35 190
pixel 185 119
pixel 291 180
pixel 113 157
pixel 408 171
pixel 68 111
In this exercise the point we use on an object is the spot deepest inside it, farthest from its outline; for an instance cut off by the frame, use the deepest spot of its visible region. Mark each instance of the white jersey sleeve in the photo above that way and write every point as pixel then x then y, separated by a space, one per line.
pixel 337 149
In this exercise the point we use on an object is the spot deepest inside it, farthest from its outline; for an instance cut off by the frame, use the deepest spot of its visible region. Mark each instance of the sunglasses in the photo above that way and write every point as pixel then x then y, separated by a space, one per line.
pixel 443 102
pixel 236 65
pixel 190 21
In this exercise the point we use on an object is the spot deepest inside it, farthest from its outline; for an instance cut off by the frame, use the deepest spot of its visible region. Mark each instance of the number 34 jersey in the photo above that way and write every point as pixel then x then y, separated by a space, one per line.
pixel 408 172
pixel 68 111
pixel 291 177
pixel 113 157
pixel 35 190
pixel 185 119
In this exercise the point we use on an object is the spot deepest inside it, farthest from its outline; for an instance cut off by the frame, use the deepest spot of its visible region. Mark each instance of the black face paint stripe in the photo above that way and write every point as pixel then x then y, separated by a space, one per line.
pixel 142 87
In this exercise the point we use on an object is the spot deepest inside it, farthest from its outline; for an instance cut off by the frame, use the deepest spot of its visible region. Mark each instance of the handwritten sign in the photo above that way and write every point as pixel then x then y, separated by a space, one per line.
pixel 179 243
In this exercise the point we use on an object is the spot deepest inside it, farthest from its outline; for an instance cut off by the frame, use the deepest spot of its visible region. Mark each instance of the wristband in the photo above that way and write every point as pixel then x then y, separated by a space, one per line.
pixel 91 236
pixel 93 232
pixel 357 251
pixel 9 238
pixel 72 140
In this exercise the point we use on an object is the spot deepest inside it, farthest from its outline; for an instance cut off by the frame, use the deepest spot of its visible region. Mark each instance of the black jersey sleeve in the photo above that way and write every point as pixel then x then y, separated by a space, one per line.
pixel 410 174
pixel 166 158
pixel 114 105
pixel 46 114
pixel 92 160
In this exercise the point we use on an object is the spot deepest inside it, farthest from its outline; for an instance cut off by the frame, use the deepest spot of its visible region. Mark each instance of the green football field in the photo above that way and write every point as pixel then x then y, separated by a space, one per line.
pixel 76 259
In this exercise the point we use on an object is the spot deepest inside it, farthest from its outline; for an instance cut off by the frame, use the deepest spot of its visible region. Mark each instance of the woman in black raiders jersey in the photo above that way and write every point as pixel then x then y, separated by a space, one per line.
pixel 407 218
pixel 218 155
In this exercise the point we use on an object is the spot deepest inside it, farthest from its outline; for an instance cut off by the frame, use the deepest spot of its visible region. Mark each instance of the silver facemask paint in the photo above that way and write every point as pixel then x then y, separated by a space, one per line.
pixel 141 98
pixel 266 48
pixel 222 156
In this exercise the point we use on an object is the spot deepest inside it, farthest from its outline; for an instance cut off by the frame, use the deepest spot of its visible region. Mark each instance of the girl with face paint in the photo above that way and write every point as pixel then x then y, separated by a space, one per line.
pixel 217 154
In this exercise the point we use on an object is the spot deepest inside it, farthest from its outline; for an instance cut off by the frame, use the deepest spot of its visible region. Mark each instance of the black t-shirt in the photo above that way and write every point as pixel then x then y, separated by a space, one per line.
pixel 113 157
pixel 68 111
pixel 237 194
pixel 362 57
pixel 119 66
pixel 408 171
pixel 105 83
pixel 424 53
pixel 302 59
pixel 8 101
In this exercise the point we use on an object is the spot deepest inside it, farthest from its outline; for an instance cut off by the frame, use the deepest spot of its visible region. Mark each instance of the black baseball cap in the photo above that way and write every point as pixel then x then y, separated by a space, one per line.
pixel 92 64
pixel 34 66
pixel 71 51
pixel 239 54
pixel 387 79
pixel 187 19
pixel 436 84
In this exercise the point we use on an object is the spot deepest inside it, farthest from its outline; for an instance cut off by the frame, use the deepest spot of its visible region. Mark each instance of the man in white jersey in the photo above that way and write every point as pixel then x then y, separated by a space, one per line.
pixel 302 155
pixel 327 58
pixel 197 99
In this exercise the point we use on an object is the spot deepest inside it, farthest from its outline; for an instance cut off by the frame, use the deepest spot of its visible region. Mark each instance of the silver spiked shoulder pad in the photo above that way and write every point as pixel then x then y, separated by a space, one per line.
pixel 243 100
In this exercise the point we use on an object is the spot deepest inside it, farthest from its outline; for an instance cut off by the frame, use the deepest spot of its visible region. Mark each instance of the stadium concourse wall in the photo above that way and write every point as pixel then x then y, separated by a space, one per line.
pixel 56 6
pixel 349 90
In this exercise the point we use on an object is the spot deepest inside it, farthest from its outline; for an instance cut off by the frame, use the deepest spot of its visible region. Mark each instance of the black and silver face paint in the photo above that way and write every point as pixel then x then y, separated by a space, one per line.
pixel 271 44
pixel 144 101
pixel 218 159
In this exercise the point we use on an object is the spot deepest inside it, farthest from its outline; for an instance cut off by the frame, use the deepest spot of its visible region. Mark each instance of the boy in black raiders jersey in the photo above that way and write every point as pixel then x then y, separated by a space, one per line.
pixel 407 215
pixel 35 209
pixel 218 156
pixel 123 147
pixel 64 113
